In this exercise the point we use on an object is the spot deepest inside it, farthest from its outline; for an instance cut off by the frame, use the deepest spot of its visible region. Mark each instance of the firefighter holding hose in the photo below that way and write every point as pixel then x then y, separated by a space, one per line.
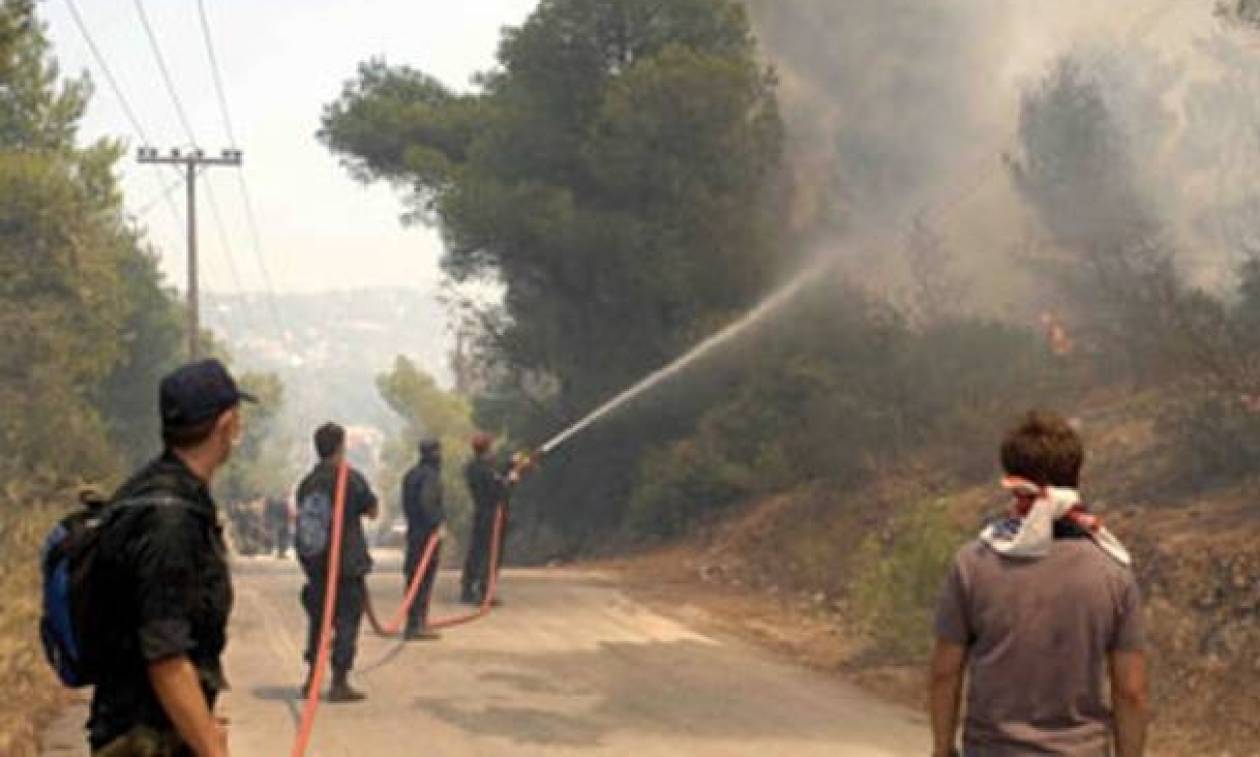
pixel 489 490
pixel 426 515
pixel 316 496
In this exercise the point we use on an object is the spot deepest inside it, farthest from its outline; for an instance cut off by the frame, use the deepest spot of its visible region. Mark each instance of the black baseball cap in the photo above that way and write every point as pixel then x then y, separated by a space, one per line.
pixel 197 392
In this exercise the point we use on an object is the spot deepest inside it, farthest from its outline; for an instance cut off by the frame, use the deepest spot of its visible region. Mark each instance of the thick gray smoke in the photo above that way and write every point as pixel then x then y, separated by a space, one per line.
pixel 908 110
pixel 883 96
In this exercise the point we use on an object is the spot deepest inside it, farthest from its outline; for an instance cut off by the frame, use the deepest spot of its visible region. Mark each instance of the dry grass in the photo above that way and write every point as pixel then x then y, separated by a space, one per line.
pixel 30 692
pixel 787 574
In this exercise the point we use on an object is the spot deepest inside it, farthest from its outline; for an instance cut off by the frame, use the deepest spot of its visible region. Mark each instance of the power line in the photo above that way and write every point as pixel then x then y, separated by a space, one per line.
pixel 214 70
pixel 252 222
pixel 166 74
pixel 163 194
pixel 246 197
pixel 224 238
pixel 223 235
pixel 109 74
pixel 123 102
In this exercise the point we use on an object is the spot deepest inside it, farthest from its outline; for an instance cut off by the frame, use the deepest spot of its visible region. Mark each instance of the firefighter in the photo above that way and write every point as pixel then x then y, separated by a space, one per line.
pixel 277 516
pixel 488 490
pixel 316 496
pixel 426 515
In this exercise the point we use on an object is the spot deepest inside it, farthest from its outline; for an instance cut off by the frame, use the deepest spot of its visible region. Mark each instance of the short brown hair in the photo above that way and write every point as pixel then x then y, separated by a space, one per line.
pixel 329 439
pixel 1045 449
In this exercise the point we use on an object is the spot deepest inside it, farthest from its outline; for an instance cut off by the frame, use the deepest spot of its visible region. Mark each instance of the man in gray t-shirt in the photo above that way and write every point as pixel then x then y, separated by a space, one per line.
pixel 1038 629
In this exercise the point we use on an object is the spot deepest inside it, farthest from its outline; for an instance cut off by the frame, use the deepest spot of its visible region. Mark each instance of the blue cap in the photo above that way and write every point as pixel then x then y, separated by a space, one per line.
pixel 197 392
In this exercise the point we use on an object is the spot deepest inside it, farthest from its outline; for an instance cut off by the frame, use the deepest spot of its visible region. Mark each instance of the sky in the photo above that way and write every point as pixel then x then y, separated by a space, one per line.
pixel 281 62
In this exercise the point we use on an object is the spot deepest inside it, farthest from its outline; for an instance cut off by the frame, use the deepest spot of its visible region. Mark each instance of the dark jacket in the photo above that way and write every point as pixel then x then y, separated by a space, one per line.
pixel 164 567
pixel 422 500
pixel 485 484
pixel 360 501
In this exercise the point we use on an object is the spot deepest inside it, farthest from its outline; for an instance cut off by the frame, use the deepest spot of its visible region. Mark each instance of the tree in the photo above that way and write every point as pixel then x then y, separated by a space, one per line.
pixel 427 412
pixel 619 174
pixel 1110 256
pixel 1243 11
pixel 73 274
pixel 152 339
pixel 259 467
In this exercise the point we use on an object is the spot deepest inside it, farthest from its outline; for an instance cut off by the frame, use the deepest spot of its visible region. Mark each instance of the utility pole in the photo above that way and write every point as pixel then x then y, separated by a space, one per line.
pixel 191 162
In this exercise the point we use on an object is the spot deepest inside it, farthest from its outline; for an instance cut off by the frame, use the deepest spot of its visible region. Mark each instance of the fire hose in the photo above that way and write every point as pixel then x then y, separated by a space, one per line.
pixel 395 624
pixel 303 739
pixel 324 649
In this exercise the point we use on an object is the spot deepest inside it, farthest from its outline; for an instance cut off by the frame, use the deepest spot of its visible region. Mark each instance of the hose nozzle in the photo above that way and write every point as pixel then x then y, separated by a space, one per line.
pixel 523 462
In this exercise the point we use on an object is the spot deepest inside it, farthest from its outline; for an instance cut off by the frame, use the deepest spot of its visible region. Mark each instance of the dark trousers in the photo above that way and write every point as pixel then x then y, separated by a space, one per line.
pixel 418 614
pixel 477 563
pixel 280 536
pixel 347 617
pixel 143 741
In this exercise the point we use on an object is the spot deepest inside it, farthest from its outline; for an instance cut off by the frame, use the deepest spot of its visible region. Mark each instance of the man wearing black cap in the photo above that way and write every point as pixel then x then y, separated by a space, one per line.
pixel 164 566
pixel 316 496
pixel 425 513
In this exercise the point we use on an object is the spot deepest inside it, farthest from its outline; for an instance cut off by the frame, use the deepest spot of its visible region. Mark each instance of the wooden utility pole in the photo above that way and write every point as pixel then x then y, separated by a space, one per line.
pixel 191 162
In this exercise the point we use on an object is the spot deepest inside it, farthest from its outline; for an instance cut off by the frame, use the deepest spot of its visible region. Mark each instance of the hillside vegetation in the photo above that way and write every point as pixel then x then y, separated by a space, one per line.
pixel 846 579
pixel 635 177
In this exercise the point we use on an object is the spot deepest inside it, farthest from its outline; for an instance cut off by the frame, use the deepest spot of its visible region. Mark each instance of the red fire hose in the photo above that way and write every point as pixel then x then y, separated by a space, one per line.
pixel 487 602
pixel 325 630
pixel 394 627
pixel 311 708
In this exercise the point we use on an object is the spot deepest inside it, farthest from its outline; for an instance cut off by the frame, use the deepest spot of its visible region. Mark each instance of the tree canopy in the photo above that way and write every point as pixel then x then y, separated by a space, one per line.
pixel 75 276
pixel 619 174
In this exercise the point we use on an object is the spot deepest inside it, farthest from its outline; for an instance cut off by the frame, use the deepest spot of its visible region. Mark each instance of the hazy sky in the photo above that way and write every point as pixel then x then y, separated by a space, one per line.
pixel 281 60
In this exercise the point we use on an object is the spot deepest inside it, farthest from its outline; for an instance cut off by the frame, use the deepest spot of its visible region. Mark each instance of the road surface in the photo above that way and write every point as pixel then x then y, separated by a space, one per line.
pixel 569 665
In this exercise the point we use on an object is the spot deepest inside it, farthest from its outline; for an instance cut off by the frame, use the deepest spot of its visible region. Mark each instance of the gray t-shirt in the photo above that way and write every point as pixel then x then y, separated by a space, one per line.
pixel 1038 633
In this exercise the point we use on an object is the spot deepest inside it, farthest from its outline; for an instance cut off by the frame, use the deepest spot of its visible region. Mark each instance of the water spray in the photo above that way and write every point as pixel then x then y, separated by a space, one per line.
pixel 523 462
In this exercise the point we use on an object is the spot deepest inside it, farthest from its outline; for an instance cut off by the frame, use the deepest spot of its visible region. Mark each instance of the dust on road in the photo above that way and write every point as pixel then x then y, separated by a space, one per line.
pixel 569 665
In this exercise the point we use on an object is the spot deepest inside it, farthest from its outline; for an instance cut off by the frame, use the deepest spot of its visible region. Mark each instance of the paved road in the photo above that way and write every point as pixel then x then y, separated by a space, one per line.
pixel 568 666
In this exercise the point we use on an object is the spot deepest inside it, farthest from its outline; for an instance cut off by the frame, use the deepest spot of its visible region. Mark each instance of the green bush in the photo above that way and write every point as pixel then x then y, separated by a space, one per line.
pixel 680 482
pixel 899 575
pixel 1214 439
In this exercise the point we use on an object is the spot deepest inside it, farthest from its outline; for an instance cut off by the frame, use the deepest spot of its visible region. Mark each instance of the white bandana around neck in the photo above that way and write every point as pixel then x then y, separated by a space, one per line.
pixel 1028 530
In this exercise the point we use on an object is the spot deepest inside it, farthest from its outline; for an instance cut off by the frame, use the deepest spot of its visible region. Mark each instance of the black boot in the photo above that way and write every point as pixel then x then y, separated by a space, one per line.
pixel 420 633
pixel 342 691
pixel 306 684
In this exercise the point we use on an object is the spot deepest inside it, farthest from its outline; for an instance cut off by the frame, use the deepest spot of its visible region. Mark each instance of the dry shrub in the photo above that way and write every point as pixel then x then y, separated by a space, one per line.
pixel 30 692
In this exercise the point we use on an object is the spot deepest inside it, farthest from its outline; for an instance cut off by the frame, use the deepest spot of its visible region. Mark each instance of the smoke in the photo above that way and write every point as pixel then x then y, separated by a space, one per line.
pixel 904 114
pixel 882 95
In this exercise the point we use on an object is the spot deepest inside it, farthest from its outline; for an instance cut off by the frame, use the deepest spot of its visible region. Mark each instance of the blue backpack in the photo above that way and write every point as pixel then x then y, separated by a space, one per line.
pixel 77 606
pixel 314 525
pixel 67 558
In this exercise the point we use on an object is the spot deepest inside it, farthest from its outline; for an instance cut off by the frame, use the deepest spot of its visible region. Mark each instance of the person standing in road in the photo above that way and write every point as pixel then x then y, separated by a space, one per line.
pixel 426 515
pixel 488 490
pixel 164 567
pixel 1034 612
pixel 277 516
pixel 316 496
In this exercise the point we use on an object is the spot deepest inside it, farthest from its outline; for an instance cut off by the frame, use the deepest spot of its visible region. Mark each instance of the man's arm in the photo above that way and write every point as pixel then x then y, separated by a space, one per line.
pixel 166 586
pixel 178 688
pixel 945 695
pixel 1130 701
pixel 369 506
